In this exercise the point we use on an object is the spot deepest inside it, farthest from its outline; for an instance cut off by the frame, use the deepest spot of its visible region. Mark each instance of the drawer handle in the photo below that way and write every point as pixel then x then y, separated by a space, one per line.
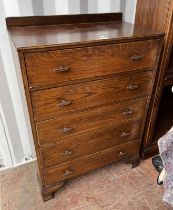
pixel 67 152
pixel 132 87
pixel 61 69
pixel 121 154
pixel 64 102
pixel 66 130
pixel 128 112
pixel 124 134
pixel 68 172
pixel 137 57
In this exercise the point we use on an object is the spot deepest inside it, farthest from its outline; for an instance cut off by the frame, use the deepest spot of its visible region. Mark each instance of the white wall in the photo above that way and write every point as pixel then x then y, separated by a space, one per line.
pixel 130 10
pixel 13 103
pixel 19 135
pixel 6 158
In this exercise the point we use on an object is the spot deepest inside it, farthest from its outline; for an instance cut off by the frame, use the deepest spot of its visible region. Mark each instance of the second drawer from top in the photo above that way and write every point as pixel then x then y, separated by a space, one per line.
pixel 68 99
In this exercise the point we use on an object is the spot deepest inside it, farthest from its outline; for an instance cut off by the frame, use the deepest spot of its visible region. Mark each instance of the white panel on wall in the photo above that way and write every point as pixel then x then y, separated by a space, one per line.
pixel 62 7
pixel 8 111
pixel 115 6
pixel 84 7
pixel 2 159
pixel 4 143
pixel 74 6
pixel 49 7
pixel 38 8
pixel 104 6
pixel 92 6
pixel 11 7
pixel 10 93
pixel 122 5
pixel 130 11
pixel 25 7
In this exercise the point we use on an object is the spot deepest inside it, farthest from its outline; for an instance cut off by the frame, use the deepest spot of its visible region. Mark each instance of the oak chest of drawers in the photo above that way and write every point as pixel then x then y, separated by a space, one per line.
pixel 88 87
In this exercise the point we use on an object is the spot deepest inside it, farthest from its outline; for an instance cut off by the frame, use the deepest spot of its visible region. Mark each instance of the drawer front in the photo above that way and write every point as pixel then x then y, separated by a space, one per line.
pixel 72 64
pixel 64 100
pixel 69 126
pixel 90 143
pixel 88 163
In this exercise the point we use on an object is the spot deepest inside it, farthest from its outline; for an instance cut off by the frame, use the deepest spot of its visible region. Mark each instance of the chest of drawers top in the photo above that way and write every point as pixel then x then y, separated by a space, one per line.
pixel 50 32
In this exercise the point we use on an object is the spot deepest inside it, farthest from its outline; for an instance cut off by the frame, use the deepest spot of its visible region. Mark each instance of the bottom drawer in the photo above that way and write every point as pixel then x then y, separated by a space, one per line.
pixel 88 163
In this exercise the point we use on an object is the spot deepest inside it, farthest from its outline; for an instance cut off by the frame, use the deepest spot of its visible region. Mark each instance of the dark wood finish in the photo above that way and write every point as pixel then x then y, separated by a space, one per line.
pixel 52 130
pixel 90 143
pixel 162 21
pixel 150 152
pixel 169 78
pixel 104 72
pixel 169 72
pixel 165 115
pixel 88 163
pixel 134 160
pixel 152 14
pixel 62 19
pixel 48 192
pixel 76 35
pixel 101 60
pixel 47 103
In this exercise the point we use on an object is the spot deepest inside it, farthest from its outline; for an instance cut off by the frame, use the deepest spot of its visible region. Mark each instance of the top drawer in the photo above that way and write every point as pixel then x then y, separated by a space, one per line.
pixel 72 64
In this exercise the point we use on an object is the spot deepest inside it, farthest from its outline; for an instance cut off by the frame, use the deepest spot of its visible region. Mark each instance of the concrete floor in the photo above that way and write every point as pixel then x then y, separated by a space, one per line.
pixel 115 187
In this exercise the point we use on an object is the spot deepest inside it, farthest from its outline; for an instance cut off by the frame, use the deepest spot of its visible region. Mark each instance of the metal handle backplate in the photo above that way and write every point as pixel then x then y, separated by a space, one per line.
pixel 128 112
pixel 132 87
pixel 121 154
pixel 137 57
pixel 124 134
pixel 66 130
pixel 61 69
pixel 68 172
pixel 67 152
pixel 64 102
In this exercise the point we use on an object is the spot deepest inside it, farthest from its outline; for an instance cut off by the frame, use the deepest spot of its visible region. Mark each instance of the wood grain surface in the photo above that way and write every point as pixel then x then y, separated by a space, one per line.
pixel 90 143
pixel 105 117
pixel 88 86
pixel 88 163
pixel 43 67
pixel 47 103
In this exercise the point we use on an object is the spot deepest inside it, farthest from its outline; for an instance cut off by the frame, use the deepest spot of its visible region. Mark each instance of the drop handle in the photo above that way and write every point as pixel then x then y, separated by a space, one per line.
pixel 128 112
pixel 124 134
pixel 67 152
pixel 68 172
pixel 137 57
pixel 66 130
pixel 64 102
pixel 61 69
pixel 121 154
pixel 132 87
